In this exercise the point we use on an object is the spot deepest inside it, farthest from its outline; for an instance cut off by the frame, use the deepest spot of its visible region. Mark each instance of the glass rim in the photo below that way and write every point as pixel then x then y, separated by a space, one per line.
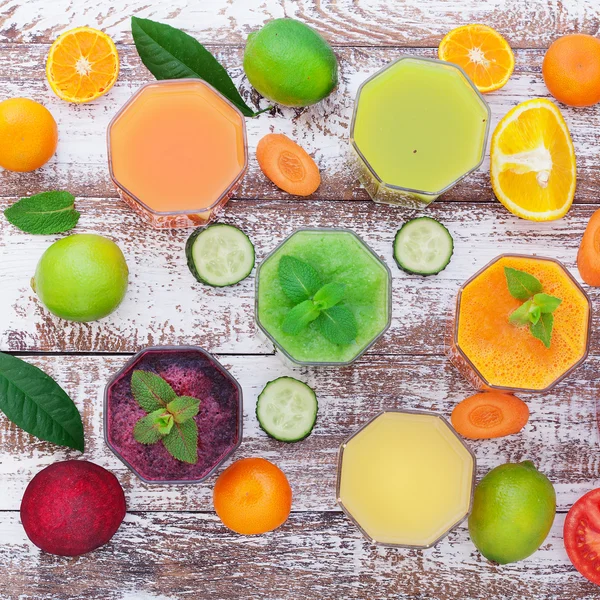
pixel 133 196
pixel 428 413
pixel 400 188
pixel 240 418
pixel 560 378
pixel 323 363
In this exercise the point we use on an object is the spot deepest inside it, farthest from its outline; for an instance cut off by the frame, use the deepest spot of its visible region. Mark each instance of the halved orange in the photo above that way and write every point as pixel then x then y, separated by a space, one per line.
pixel 533 167
pixel 482 52
pixel 83 64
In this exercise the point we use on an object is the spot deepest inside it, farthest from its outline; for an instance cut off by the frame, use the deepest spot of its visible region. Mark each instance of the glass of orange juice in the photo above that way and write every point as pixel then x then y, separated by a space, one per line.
pixel 177 151
pixel 492 353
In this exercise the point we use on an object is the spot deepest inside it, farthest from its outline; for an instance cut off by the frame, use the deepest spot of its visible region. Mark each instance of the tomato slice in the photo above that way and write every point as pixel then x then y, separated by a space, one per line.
pixel 582 535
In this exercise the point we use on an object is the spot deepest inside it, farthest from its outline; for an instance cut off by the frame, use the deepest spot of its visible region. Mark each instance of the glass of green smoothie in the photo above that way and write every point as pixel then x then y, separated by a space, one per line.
pixel 323 297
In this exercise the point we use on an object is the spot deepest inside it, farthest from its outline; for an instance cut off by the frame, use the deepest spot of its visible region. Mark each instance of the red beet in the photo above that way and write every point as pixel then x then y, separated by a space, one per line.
pixel 72 507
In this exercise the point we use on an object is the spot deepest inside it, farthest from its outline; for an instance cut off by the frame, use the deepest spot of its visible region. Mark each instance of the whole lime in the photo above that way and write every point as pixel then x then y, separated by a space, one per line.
pixel 513 511
pixel 81 277
pixel 290 63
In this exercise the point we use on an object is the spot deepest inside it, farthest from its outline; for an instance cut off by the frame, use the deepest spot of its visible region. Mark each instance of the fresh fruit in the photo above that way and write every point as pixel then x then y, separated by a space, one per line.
pixel 571 69
pixel 423 246
pixel 82 277
pixel 489 415
pixel 533 162
pixel 513 511
pixel 82 65
pixel 287 165
pixel 482 52
pixel 72 507
pixel 28 135
pixel 252 496
pixel 290 63
pixel 219 255
pixel 581 535
pixel 588 257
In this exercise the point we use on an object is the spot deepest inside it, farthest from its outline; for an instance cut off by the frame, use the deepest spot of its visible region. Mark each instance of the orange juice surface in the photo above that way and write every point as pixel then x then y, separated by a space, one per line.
pixel 177 145
pixel 507 355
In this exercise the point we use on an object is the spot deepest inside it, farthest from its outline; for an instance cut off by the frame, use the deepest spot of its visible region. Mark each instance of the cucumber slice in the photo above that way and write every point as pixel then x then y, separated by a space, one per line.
pixel 287 409
pixel 219 255
pixel 423 246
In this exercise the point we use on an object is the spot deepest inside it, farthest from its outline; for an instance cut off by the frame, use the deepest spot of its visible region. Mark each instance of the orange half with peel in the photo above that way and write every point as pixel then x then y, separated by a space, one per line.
pixel 482 52
pixel 83 64
pixel 533 168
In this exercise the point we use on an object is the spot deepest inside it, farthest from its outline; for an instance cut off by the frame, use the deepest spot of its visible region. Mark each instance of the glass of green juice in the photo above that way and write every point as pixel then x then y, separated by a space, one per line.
pixel 419 126
pixel 338 257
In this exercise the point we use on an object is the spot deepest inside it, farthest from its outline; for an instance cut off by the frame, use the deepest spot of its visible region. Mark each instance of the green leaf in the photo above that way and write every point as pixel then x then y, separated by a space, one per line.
pixel 329 295
pixel 338 325
pixel 299 280
pixel 44 214
pixel 542 330
pixel 153 427
pixel 151 391
pixel 521 285
pixel 521 316
pixel 169 53
pixel 535 313
pixel 547 303
pixel 184 408
pixel 33 401
pixel 182 442
pixel 300 317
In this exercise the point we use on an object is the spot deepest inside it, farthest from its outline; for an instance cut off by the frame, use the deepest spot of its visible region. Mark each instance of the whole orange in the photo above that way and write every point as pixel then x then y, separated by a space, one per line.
pixel 571 69
pixel 252 496
pixel 28 134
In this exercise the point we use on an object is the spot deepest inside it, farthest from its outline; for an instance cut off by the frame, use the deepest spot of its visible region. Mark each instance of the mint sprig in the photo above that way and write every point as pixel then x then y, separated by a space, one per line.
pixel 536 311
pixel 44 214
pixel 170 417
pixel 315 302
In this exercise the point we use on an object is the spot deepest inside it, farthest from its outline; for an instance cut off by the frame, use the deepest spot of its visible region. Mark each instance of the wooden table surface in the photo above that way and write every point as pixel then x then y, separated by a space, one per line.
pixel 171 545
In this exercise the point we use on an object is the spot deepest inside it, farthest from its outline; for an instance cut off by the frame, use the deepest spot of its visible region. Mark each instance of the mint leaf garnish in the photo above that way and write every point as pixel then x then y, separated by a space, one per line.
pixel 542 330
pixel 183 408
pixel 521 285
pixel 299 280
pixel 547 304
pixel 329 295
pixel 300 317
pixel 153 427
pixel 182 442
pixel 338 325
pixel 521 316
pixel 44 214
pixel 150 390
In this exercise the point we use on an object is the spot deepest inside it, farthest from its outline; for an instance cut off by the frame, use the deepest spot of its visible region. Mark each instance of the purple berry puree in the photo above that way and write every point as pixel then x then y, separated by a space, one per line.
pixel 190 373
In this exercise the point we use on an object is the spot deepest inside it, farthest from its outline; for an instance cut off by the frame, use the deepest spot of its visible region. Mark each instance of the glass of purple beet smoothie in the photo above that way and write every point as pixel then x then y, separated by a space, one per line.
pixel 190 371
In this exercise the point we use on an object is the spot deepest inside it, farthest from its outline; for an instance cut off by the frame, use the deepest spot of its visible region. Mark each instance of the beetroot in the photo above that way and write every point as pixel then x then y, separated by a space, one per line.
pixel 72 507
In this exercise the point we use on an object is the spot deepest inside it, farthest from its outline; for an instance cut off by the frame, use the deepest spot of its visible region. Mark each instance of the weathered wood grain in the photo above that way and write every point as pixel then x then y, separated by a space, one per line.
pixel 320 556
pixel 526 23
pixel 80 164
pixel 561 436
pixel 165 305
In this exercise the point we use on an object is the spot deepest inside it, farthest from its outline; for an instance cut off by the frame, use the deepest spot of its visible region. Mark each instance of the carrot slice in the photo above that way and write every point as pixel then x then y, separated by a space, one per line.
pixel 287 165
pixel 489 415
pixel 588 257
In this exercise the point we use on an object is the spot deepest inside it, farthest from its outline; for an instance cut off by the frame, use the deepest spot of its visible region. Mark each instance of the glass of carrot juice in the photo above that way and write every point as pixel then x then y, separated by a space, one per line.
pixel 494 353
pixel 177 151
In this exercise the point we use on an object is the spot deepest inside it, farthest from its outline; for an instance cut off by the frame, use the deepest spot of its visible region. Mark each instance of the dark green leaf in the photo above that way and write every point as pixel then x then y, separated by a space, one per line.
pixel 182 442
pixel 299 280
pixel 521 285
pixel 169 53
pixel 153 427
pixel 151 391
pixel 329 295
pixel 299 317
pixel 542 330
pixel 547 303
pixel 44 214
pixel 184 408
pixel 34 402
pixel 338 325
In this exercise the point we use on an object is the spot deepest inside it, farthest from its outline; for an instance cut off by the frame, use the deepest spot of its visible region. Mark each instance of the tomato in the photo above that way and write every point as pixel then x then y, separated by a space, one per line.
pixel 582 535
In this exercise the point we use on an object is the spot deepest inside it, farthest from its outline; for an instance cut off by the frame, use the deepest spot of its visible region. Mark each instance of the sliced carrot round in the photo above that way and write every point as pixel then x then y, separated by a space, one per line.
pixel 490 415
pixel 287 165
pixel 588 257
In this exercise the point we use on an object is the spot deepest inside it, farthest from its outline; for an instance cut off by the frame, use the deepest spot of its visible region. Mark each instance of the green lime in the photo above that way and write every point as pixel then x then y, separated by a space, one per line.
pixel 290 63
pixel 81 277
pixel 513 511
